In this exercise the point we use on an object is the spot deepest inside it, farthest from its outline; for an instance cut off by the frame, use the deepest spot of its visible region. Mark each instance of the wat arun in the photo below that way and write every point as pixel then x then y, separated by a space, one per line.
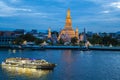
pixel 68 31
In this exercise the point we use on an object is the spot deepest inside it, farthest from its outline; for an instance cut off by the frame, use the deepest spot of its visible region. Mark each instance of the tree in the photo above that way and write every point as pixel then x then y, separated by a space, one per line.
pixel 19 40
pixel 27 37
pixel 74 40
pixel 81 43
pixel 106 40
pixel 39 41
pixel 61 41
pixel 55 32
pixel 96 39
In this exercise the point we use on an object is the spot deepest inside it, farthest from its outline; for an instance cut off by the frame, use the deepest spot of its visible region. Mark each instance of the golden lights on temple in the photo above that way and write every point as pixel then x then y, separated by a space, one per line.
pixel 68 30
pixel 49 33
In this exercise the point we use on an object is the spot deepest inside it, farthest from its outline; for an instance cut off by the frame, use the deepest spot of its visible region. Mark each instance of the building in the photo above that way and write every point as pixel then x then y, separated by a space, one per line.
pixel 43 36
pixel 6 38
pixel 34 31
pixel 83 36
pixel 19 32
pixel 67 33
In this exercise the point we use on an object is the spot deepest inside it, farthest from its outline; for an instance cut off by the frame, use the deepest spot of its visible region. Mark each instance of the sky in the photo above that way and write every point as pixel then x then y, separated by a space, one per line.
pixel 94 15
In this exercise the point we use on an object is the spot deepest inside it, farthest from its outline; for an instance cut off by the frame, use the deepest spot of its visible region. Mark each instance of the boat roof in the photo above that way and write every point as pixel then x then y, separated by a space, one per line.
pixel 19 58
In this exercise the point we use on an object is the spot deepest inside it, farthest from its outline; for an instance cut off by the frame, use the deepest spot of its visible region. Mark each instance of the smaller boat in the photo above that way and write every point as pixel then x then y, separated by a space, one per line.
pixel 38 48
pixel 28 63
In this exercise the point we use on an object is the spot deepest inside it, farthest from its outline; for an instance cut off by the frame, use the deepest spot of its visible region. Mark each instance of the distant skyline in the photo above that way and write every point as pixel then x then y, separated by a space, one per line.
pixel 94 15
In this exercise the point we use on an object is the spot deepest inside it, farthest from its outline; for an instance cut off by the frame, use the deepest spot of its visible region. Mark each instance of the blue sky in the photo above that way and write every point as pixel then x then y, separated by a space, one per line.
pixel 94 15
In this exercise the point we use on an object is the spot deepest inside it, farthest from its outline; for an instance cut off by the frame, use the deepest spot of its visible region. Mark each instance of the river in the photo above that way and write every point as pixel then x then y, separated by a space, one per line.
pixel 71 65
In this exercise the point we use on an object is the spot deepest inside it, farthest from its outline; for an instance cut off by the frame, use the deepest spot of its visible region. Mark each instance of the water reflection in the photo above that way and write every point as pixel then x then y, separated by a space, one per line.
pixel 67 56
pixel 25 72
pixel 14 51
pixel 70 56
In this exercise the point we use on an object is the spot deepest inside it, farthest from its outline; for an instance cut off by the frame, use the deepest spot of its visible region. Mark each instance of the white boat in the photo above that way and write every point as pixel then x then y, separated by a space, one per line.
pixel 28 63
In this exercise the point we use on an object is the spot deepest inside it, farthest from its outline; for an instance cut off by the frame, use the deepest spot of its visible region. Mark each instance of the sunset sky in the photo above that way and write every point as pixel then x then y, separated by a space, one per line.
pixel 94 15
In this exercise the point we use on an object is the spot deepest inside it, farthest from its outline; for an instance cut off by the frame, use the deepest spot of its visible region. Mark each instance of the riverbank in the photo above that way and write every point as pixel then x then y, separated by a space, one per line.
pixel 104 48
pixel 65 47
pixel 83 48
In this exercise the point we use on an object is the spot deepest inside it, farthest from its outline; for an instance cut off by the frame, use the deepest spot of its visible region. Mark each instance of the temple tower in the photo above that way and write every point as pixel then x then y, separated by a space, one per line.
pixel 77 33
pixel 49 33
pixel 84 36
pixel 68 24
pixel 68 27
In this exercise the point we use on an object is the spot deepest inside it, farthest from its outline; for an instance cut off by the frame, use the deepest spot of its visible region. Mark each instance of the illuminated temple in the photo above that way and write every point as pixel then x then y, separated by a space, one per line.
pixel 68 31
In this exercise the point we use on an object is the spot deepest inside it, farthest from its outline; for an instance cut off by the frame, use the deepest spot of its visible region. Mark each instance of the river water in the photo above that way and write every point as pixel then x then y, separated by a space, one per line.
pixel 71 65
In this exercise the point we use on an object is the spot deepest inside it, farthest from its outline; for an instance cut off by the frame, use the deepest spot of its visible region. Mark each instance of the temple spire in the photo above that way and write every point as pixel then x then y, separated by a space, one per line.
pixel 77 33
pixel 49 33
pixel 68 14
pixel 68 24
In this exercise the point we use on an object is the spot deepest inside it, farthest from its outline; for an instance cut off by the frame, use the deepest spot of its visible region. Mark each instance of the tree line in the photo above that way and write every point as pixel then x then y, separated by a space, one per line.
pixel 106 40
pixel 27 37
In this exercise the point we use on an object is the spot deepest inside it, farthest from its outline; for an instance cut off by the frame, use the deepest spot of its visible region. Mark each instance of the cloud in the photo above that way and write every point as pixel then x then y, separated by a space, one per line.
pixel 109 7
pixel 22 9
pixel 6 10
pixel 107 3
pixel 37 14
pixel 106 12
pixel 9 11
pixel 14 1
pixel 53 12
pixel 102 1
pixel 115 5
pixel 61 1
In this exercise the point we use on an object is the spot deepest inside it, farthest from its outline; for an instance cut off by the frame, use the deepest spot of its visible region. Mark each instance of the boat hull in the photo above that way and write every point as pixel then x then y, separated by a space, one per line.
pixel 47 67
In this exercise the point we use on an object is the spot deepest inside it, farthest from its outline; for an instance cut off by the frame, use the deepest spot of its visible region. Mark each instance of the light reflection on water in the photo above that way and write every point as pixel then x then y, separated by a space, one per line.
pixel 27 73
pixel 14 51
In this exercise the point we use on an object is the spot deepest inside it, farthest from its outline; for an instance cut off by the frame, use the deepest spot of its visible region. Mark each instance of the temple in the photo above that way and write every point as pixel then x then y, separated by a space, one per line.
pixel 68 31
pixel 49 33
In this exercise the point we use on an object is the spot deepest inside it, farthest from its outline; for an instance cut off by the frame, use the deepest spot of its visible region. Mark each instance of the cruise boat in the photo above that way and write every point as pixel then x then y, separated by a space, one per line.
pixel 28 63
